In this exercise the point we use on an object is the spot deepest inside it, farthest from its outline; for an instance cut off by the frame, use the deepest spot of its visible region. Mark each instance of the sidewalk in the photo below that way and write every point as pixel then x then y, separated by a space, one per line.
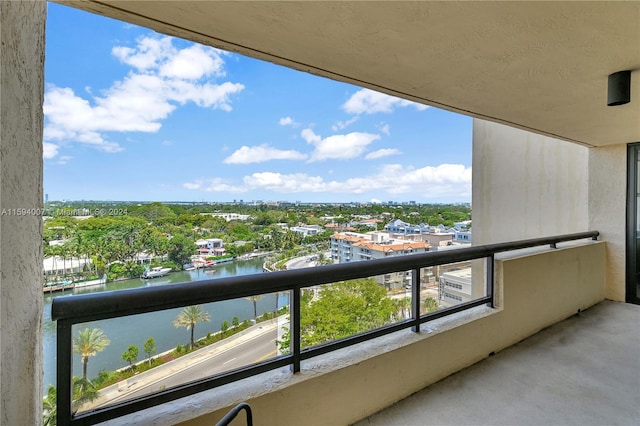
pixel 119 391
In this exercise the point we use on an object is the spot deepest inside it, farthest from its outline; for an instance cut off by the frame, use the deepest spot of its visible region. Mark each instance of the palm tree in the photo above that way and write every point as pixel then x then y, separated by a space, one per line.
pixel 255 299
pixel 403 307
pixel 189 317
pixel 83 392
pixel 49 405
pixel 88 343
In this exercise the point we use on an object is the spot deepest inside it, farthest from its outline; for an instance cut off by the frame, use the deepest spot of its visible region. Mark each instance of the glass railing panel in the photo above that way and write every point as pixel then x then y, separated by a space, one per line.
pixel 137 355
pixel 342 309
pixel 454 284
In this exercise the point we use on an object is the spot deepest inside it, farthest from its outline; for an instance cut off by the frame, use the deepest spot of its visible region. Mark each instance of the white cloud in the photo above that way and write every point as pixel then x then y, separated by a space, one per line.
pixel 147 54
pixel 261 154
pixel 214 185
pixel 340 125
pixel 382 153
pixel 49 150
pixel 288 121
pixel 366 101
pixel 193 185
pixel 430 182
pixel 163 78
pixel 285 121
pixel 64 159
pixel 338 147
pixel 384 128
pixel 193 63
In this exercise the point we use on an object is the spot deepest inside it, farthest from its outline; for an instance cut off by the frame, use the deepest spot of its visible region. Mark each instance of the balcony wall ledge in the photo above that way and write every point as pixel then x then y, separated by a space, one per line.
pixel 535 288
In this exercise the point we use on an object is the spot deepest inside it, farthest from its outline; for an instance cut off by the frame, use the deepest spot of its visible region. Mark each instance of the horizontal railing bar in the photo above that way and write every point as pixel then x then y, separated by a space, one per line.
pixel 455 309
pixel 95 306
pixel 356 338
pixel 157 398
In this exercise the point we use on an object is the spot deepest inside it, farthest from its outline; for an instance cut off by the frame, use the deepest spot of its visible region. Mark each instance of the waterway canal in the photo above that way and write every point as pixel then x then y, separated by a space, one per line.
pixel 136 329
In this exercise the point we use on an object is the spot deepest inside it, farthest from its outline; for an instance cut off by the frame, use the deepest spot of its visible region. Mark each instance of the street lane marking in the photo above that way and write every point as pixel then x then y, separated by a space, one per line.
pixel 227 362
pixel 269 355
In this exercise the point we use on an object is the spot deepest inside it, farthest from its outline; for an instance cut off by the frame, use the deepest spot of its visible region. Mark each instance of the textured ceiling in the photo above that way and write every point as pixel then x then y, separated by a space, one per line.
pixel 540 66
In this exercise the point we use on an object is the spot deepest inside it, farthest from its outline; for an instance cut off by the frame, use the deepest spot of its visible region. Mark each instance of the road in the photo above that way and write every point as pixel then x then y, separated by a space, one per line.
pixel 252 345
pixel 301 262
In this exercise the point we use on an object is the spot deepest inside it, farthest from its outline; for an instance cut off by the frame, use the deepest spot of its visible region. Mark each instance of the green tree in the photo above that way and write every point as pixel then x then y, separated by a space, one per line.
pixel 130 355
pixel 83 392
pixel 88 343
pixel 343 309
pixel 189 317
pixel 403 307
pixel 149 348
pixel 181 249
pixel 430 304
pixel 224 327
pixel 50 407
pixel 154 211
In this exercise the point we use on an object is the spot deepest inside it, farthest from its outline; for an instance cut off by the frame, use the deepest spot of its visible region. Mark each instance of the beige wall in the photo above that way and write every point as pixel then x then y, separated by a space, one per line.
pixel 21 86
pixel 342 387
pixel 607 211
pixel 526 185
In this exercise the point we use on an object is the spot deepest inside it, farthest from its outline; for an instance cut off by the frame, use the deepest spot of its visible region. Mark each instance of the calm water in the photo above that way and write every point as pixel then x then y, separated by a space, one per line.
pixel 136 329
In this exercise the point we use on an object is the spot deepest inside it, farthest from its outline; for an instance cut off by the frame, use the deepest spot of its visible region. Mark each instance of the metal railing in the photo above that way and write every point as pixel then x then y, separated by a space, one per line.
pixel 228 418
pixel 68 311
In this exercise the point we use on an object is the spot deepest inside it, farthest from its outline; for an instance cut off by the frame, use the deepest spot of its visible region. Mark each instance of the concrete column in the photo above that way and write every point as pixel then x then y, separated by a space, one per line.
pixel 607 211
pixel 525 186
pixel 22 32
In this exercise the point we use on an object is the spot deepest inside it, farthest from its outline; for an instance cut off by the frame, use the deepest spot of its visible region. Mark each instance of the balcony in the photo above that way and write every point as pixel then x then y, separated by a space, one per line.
pixel 358 376
pixel 583 370
pixel 525 185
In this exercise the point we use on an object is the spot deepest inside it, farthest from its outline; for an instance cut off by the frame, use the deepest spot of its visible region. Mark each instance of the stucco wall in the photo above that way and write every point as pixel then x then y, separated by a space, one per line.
pixel 535 290
pixel 21 89
pixel 607 210
pixel 526 185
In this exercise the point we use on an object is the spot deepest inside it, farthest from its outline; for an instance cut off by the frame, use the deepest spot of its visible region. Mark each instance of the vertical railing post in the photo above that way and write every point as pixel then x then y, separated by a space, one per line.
pixel 415 299
pixel 490 265
pixel 63 374
pixel 295 329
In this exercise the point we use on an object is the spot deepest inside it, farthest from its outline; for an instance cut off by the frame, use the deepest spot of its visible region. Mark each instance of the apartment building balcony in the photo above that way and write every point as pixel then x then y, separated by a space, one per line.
pixel 534 288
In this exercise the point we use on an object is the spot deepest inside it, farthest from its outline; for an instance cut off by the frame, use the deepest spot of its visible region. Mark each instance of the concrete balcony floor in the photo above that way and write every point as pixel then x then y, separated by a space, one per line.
pixel 582 371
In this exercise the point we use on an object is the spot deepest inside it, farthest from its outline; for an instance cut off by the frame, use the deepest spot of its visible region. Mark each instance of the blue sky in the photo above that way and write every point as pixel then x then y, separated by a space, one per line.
pixel 131 114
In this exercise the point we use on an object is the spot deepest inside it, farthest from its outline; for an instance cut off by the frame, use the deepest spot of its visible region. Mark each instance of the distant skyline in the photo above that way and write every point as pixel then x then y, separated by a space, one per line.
pixel 133 115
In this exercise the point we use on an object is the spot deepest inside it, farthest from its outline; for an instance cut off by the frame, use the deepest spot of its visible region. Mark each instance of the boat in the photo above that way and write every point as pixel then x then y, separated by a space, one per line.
pixel 91 283
pixel 158 271
pixel 52 286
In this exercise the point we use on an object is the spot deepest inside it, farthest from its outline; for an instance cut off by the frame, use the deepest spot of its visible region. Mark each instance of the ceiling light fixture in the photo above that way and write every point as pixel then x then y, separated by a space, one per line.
pixel 619 88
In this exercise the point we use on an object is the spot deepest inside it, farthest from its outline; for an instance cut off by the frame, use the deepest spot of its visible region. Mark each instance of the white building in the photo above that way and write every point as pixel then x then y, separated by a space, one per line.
pixel 229 216
pixel 354 247
pixel 211 247
pixel 307 230
pixel 455 287
pixel 462 236
pixel 57 265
